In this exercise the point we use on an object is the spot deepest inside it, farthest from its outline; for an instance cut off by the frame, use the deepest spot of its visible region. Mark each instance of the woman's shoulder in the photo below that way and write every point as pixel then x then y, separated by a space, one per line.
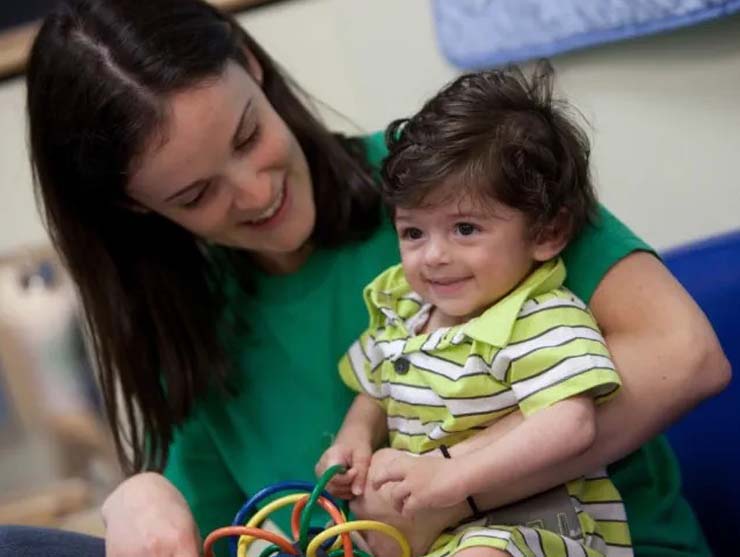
pixel 600 245
pixel 375 148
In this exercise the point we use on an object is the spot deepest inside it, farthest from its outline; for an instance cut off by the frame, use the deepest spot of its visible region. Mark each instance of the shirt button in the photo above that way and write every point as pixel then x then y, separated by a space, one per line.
pixel 401 365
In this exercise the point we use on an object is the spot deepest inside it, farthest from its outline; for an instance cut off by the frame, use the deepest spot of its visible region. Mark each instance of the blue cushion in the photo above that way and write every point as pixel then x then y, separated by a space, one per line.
pixel 707 441
pixel 485 33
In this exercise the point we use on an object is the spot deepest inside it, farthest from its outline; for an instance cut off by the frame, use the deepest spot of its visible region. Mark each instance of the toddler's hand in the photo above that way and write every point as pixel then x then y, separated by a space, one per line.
pixel 418 483
pixel 355 459
pixel 420 528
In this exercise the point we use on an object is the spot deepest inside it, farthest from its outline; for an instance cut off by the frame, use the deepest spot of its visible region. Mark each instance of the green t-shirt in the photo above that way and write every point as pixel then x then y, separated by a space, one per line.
pixel 290 400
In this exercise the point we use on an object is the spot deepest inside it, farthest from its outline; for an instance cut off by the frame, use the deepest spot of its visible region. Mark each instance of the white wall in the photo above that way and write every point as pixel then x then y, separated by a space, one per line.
pixel 664 111
pixel 19 222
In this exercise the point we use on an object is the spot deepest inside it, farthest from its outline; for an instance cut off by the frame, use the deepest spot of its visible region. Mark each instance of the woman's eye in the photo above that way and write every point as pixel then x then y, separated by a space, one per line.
pixel 466 228
pixel 195 200
pixel 248 141
pixel 411 233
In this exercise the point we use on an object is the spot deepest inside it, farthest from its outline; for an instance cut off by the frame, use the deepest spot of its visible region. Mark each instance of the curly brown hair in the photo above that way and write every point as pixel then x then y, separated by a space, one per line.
pixel 497 135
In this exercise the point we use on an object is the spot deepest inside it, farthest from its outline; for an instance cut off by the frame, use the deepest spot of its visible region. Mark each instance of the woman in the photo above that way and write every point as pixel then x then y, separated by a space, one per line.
pixel 220 237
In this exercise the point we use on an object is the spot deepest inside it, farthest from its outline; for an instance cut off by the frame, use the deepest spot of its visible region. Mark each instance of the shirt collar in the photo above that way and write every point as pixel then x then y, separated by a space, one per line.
pixel 495 325
pixel 383 297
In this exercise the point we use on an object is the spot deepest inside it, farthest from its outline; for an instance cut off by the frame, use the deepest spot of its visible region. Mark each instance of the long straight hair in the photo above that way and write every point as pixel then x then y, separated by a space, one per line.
pixel 98 78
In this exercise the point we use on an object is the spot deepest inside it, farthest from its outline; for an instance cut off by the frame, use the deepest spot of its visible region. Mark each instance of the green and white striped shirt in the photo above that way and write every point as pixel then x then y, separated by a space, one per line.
pixel 535 347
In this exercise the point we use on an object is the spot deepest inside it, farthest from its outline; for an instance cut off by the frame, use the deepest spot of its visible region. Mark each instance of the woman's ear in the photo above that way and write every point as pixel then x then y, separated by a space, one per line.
pixel 552 239
pixel 253 66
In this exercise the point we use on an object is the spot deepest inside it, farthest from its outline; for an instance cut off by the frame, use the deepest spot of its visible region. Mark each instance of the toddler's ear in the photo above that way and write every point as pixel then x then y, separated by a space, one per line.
pixel 553 238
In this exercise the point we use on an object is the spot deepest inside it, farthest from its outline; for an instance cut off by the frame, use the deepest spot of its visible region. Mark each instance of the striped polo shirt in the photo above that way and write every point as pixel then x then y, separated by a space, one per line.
pixel 536 346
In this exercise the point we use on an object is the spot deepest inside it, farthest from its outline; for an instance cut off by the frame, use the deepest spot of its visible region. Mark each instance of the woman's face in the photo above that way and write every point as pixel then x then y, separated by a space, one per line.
pixel 228 169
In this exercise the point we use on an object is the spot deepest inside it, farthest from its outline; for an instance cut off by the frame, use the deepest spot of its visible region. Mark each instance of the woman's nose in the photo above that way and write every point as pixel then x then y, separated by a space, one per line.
pixel 252 191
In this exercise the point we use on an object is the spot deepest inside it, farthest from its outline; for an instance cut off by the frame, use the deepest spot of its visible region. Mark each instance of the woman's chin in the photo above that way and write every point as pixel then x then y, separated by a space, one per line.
pixel 284 260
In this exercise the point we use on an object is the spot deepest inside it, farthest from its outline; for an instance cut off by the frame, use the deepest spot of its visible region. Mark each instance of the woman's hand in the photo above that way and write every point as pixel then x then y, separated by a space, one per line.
pixel 147 515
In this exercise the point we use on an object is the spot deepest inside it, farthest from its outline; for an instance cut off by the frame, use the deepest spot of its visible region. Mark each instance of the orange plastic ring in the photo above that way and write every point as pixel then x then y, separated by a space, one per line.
pixel 228 531
pixel 334 513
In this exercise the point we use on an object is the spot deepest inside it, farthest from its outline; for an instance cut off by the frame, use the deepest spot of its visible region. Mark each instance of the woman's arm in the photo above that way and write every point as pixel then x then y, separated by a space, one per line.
pixel 147 515
pixel 667 355
pixel 163 515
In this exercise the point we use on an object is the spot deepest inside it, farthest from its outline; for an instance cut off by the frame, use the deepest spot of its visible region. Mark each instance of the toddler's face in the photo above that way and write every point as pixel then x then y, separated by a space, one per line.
pixel 462 255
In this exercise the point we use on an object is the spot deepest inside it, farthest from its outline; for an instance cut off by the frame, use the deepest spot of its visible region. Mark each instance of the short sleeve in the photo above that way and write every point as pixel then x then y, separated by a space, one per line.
pixel 357 365
pixel 559 360
pixel 596 249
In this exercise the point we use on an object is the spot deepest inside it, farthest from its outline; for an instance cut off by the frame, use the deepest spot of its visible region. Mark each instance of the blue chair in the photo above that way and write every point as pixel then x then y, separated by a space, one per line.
pixel 707 441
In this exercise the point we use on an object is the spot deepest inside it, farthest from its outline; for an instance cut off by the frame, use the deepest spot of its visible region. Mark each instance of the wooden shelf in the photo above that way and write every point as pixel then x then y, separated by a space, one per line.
pixel 15 44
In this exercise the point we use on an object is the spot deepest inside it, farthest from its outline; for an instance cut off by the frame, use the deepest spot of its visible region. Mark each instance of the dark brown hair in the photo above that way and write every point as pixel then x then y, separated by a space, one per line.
pixel 98 77
pixel 498 135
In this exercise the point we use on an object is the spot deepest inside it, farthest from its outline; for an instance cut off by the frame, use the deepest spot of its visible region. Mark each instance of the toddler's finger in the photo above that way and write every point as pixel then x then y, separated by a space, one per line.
pixel 400 492
pixel 391 472
pixel 358 484
pixel 340 493
pixel 340 483
pixel 410 506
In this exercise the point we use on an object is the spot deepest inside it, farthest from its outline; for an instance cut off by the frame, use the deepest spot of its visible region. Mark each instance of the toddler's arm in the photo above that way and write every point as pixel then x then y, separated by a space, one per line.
pixel 546 438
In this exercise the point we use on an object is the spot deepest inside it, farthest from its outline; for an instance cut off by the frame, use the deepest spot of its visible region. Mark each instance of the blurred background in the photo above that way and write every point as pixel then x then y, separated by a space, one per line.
pixel 665 126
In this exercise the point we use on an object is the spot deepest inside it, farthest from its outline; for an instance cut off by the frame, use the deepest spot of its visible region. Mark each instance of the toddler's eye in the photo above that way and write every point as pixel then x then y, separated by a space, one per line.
pixel 466 228
pixel 411 233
